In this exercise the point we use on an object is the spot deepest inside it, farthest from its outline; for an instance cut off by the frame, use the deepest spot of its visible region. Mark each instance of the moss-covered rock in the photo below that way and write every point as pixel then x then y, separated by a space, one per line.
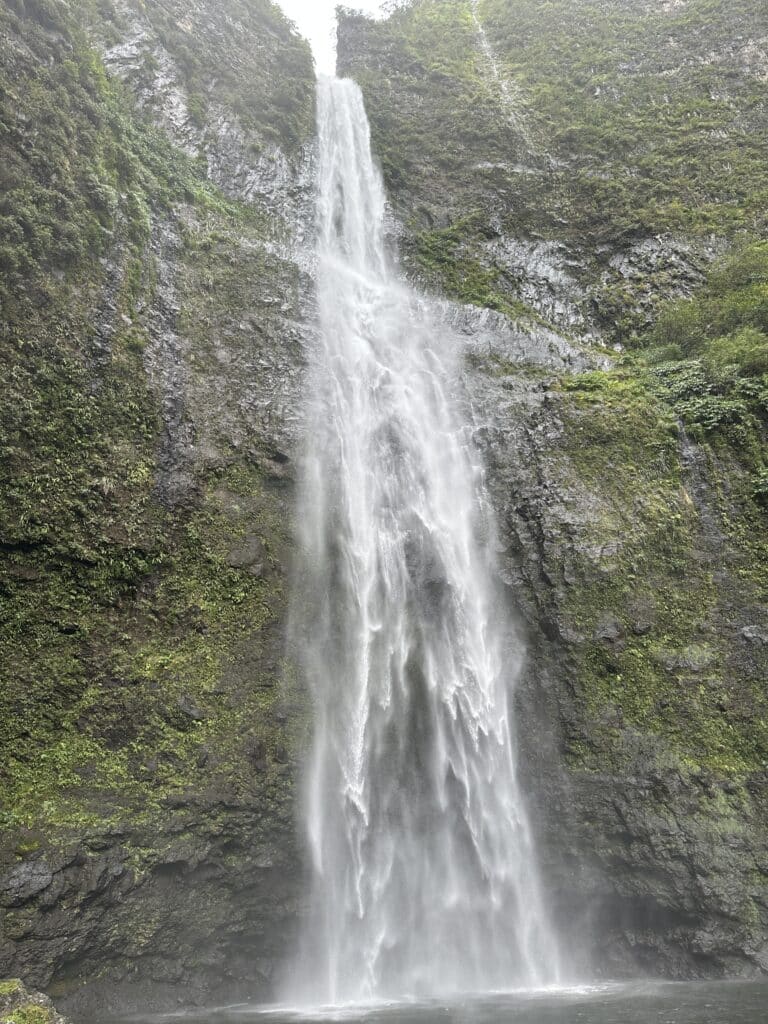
pixel 567 175
pixel 149 269
pixel 18 1006
pixel 630 136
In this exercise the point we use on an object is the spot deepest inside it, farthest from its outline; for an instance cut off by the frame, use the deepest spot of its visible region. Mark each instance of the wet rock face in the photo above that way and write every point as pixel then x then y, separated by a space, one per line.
pixel 203 913
pixel 656 865
pixel 242 105
pixel 24 882
pixel 153 847
pixel 147 784
pixel 544 273
pixel 564 184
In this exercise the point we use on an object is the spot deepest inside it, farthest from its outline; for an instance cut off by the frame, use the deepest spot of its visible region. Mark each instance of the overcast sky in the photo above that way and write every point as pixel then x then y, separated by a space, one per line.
pixel 315 20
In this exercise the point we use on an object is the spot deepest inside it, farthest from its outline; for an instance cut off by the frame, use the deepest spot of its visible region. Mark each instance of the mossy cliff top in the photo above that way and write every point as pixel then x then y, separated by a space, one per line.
pixel 623 144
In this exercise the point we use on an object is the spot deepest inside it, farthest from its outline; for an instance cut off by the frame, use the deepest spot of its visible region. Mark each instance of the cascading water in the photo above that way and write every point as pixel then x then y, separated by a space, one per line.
pixel 424 877
pixel 510 98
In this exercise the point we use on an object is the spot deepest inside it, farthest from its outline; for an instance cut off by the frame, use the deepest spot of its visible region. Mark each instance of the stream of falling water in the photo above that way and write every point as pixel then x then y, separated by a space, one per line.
pixel 510 96
pixel 424 872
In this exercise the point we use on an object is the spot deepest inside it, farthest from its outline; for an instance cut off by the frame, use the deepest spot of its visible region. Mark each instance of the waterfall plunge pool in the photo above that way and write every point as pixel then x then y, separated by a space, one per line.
pixel 721 1002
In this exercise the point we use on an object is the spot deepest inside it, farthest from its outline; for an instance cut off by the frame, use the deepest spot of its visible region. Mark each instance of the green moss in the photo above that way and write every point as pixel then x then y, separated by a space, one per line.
pixel 30 1014
pixel 592 131
pixel 136 660
pixel 433 48
pixel 87 180
pixel 708 359
pixel 269 87
pixel 444 259
pixel 662 665
pixel 184 681
pixel 726 320
pixel 652 143
pixel 18 1009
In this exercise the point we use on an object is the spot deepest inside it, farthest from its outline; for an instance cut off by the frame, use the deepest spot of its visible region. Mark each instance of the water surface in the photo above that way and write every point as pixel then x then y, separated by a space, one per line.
pixel 728 1002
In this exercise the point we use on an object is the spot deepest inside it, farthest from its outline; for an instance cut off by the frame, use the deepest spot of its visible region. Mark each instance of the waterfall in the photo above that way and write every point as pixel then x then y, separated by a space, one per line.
pixel 424 879
pixel 511 99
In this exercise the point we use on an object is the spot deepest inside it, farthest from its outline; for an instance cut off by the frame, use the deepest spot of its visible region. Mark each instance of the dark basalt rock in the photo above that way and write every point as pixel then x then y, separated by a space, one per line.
pixel 24 882
pixel 148 851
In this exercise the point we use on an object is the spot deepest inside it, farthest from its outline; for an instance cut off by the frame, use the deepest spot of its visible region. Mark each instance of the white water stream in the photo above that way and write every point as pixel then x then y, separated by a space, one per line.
pixel 424 871
pixel 510 95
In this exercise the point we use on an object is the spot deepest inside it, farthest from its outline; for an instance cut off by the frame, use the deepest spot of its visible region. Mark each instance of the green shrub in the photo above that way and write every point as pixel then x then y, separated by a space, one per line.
pixel 30 1014
pixel 746 351
pixel 727 320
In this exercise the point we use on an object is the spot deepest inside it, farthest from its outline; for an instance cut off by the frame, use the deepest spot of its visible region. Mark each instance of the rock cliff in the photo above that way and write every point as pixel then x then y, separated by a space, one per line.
pixel 156 199
pixel 19 1006
pixel 578 167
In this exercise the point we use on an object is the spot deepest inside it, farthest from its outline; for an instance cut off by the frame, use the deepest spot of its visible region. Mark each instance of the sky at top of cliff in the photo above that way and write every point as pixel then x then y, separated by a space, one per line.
pixel 316 19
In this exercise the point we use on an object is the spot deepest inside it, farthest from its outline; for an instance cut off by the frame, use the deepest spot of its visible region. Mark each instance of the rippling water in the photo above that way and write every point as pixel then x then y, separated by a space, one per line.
pixel 643 1003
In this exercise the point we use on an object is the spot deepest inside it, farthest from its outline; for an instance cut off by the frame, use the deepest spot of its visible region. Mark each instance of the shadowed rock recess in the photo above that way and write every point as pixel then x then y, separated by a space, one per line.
pixel 582 185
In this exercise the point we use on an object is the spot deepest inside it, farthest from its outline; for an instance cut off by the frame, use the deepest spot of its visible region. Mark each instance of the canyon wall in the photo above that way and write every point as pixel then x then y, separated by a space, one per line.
pixel 561 177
